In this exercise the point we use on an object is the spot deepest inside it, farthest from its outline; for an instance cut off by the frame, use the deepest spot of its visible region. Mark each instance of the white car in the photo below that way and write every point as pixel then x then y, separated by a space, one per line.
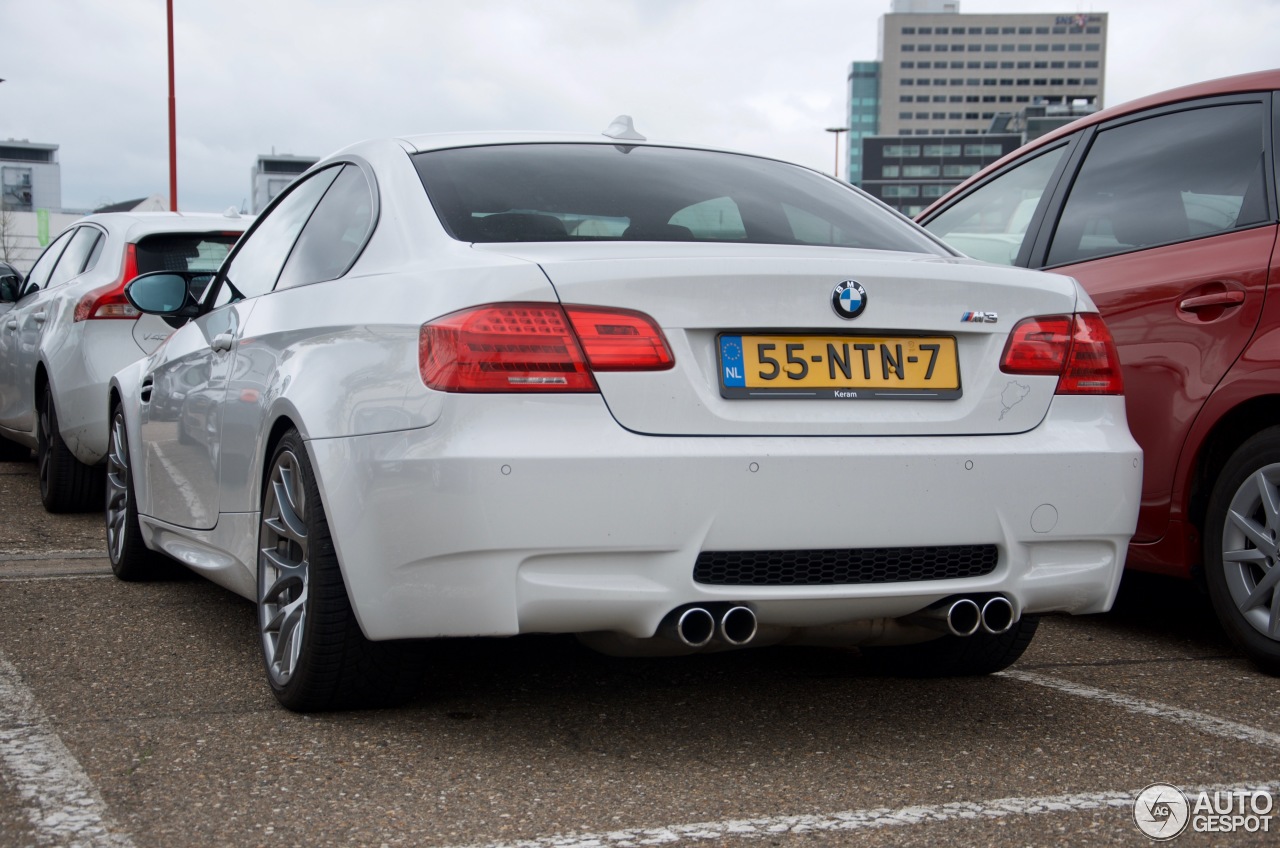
pixel 70 328
pixel 669 399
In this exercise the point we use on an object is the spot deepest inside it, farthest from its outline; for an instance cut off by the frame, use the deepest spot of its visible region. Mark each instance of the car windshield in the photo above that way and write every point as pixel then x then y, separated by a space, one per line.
pixel 601 192
pixel 184 251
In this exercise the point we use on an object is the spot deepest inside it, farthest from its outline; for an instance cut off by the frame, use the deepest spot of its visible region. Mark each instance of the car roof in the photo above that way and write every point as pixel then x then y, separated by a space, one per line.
pixel 135 225
pixel 423 142
pixel 440 141
pixel 1257 81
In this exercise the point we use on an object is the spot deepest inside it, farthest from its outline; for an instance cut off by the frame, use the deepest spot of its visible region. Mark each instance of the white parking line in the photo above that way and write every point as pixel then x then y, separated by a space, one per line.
pixel 1198 721
pixel 62 802
pixel 853 820
pixel 65 808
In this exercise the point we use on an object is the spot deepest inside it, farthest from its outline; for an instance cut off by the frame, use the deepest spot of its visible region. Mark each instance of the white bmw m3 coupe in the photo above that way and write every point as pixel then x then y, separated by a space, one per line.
pixel 669 399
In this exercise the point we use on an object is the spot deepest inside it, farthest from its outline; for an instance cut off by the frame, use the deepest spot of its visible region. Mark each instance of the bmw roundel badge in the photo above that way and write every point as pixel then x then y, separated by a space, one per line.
pixel 849 299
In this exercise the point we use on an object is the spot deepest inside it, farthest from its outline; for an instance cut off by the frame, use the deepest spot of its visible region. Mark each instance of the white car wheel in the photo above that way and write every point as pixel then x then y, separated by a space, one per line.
pixel 315 655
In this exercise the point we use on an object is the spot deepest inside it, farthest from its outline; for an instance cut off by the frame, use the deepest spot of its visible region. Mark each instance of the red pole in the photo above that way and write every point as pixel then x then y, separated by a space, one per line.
pixel 173 122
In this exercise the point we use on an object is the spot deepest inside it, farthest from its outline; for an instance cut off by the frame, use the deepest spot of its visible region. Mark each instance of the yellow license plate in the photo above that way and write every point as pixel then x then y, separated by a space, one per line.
pixel 839 367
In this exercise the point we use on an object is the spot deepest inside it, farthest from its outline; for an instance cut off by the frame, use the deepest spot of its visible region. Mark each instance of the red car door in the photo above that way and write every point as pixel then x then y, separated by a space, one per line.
pixel 1165 225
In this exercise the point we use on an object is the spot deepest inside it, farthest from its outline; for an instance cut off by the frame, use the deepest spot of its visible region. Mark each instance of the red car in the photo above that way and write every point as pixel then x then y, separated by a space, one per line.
pixel 1165 209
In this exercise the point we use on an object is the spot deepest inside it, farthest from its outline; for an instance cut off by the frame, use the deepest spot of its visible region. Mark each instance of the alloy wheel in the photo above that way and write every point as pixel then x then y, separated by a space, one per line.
pixel 1250 551
pixel 118 495
pixel 44 448
pixel 283 568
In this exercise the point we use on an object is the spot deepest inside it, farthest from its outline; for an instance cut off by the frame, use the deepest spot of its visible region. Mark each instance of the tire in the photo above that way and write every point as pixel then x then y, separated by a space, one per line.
pixel 315 655
pixel 66 483
pixel 956 656
pixel 131 559
pixel 1241 553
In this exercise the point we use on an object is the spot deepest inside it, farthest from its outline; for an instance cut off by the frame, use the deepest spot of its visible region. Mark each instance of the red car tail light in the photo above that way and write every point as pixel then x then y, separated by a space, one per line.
pixel 109 301
pixel 619 339
pixel 1078 348
pixel 1038 346
pixel 1093 367
pixel 536 347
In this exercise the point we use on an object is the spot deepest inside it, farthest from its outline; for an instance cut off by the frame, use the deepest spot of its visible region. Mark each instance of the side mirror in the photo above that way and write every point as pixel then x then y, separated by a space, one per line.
pixel 10 288
pixel 167 293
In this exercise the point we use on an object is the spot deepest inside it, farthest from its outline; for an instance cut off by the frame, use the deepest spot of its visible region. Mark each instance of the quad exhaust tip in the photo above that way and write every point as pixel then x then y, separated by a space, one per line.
pixel 966 616
pixel 697 626
pixel 997 615
pixel 737 626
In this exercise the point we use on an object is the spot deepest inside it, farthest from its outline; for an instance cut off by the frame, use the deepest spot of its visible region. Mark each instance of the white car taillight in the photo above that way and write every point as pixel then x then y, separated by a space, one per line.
pixel 542 347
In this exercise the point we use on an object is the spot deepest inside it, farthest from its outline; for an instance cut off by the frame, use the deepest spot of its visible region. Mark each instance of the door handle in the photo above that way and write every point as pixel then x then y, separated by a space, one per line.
pixel 1205 301
pixel 222 342
pixel 38 317
pixel 12 324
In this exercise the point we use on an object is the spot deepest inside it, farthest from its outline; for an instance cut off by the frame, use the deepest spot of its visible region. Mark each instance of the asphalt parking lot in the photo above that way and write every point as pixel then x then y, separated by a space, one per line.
pixel 137 715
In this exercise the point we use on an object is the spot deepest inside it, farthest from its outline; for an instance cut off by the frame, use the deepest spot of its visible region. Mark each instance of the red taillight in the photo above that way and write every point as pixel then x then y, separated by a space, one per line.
pixel 109 301
pixel 1078 348
pixel 1038 346
pixel 619 339
pixel 1093 368
pixel 523 347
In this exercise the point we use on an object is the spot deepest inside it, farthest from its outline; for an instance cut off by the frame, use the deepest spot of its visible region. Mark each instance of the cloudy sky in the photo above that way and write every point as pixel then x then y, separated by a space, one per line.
pixel 309 76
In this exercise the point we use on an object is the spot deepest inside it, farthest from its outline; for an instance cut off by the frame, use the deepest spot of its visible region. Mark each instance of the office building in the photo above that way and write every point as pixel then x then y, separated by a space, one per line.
pixel 909 172
pixel 30 176
pixel 944 74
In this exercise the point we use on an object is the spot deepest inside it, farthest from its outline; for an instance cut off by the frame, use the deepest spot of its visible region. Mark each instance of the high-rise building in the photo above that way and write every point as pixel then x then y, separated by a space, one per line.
pixel 864 112
pixel 942 73
pixel 952 73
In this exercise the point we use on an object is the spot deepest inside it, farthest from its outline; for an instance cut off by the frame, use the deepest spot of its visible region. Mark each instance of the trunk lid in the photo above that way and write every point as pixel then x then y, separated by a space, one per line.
pixel 707 298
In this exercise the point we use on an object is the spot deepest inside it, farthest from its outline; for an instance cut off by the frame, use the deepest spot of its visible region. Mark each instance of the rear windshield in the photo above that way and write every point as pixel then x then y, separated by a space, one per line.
pixel 184 251
pixel 601 192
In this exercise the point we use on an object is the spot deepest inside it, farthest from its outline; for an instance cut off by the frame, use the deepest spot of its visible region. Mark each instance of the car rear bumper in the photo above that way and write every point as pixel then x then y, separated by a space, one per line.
pixel 81 374
pixel 551 518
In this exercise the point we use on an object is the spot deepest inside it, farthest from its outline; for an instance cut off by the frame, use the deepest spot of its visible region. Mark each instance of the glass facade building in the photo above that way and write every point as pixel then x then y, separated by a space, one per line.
pixel 909 173
pixel 864 114
pixel 942 75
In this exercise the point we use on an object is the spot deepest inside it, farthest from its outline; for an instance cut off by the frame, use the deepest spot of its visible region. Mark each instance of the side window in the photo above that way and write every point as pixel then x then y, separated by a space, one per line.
pixel 717 219
pixel 991 222
pixel 257 265
pixel 1165 179
pixel 76 257
pixel 337 231
pixel 44 265
pixel 813 229
pixel 95 253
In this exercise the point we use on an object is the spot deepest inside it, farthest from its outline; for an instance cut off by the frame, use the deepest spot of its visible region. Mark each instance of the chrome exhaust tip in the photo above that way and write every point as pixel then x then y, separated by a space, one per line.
pixel 738 626
pixel 997 615
pixel 964 617
pixel 694 626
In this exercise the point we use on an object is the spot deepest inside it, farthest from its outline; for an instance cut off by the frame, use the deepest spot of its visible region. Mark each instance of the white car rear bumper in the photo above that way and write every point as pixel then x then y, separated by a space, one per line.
pixel 544 515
